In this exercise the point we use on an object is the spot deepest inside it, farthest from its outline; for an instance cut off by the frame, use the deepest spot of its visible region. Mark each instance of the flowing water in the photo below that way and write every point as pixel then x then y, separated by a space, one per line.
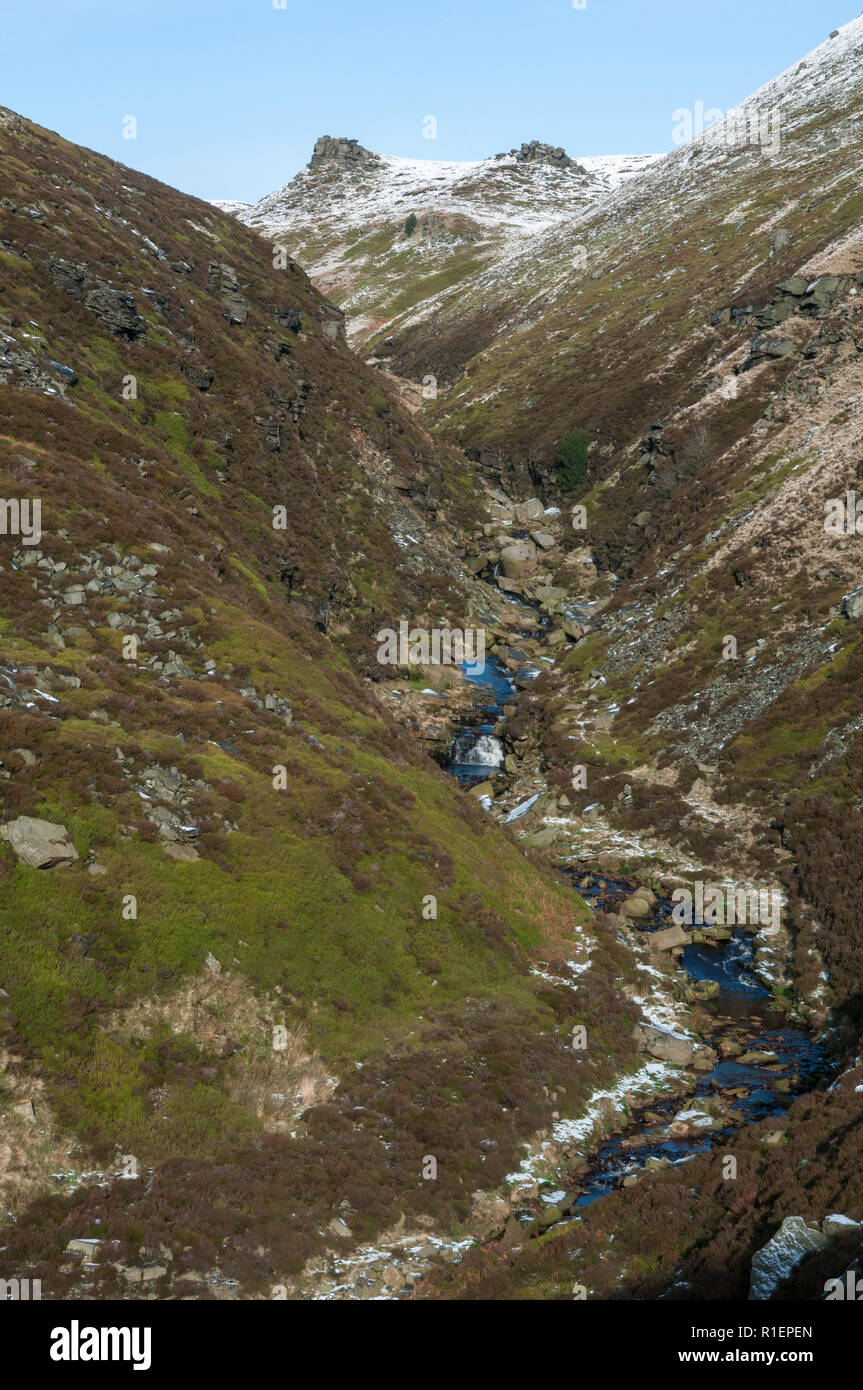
pixel 742 1012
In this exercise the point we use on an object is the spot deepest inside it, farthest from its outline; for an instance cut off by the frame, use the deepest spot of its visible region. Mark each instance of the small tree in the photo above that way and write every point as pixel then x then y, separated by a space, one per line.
pixel 411 224
pixel 571 459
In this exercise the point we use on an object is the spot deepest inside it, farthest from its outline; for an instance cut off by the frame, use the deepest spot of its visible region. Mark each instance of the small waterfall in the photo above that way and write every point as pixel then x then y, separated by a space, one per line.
pixel 476 750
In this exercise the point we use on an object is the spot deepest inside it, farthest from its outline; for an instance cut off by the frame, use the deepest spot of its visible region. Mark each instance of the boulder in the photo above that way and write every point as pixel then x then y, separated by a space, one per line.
pixel 668 939
pixel 39 843
pixel 513 1234
pixel 771 1264
pixel 541 839
pixel 795 285
pixel 549 1217
pixel 664 1046
pixel 183 853
pixel 852 604
pixel 544 539
pixel 143 1274
pixel 529 510
pixel 518 559
pixel 83 1245
pixel 638 904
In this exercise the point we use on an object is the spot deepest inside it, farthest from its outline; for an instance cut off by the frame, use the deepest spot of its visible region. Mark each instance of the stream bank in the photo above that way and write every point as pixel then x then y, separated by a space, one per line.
pixel 741 1056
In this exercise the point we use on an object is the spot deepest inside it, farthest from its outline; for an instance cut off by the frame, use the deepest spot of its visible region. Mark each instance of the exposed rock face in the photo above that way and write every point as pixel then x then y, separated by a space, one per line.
pixel 775 1260
pixel 39 843
pixel 342 153
pixel 224 279
pixel 535 152
pixel 332 321
pixel 852 604
pixel 68 277
pixel 117 312
pixel 115 309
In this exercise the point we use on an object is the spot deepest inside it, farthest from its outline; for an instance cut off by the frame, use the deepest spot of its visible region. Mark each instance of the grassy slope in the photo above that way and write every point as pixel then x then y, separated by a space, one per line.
pixel 312 904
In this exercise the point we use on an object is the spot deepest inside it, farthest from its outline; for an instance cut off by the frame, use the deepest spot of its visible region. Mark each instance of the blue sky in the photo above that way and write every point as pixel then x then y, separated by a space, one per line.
pixel 230 95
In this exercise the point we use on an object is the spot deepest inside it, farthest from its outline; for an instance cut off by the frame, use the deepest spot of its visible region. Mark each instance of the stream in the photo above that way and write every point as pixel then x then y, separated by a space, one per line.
pixel 745 1016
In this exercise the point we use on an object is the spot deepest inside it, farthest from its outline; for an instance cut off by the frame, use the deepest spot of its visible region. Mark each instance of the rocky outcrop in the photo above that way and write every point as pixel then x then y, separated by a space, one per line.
pixel 339 152
pixel 535 152
pixel 775 1260
pixel 115 309
pixel 39 843
pixel 223 278
pixel 852 604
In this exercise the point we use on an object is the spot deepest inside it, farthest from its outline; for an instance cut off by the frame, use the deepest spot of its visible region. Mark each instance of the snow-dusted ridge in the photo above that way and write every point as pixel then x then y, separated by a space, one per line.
pixel 526 196
pixel 345 221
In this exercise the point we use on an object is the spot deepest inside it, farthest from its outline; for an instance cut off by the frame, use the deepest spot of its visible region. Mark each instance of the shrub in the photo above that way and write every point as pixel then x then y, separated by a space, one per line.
pixel 411 224
pixel 571 459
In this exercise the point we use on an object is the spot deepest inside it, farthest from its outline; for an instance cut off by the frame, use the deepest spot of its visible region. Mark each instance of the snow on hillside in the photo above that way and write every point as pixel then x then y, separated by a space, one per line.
pixel 501 191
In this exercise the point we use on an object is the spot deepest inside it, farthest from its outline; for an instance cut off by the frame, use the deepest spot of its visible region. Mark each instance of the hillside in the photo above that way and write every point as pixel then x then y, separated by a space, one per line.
pixel 285 1010
pixel 713 691
pixel 221 1000
pixel 344 218
pixel 701 323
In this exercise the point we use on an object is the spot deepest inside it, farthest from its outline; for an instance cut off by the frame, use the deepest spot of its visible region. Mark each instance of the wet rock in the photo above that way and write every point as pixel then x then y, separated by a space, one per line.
pixel 705 1059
